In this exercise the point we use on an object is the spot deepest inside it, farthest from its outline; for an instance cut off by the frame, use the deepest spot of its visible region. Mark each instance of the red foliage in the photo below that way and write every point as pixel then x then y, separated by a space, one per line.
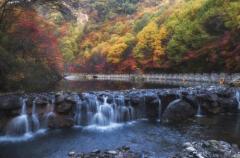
pixel 223 53
pixel 38 38
pixel 128 66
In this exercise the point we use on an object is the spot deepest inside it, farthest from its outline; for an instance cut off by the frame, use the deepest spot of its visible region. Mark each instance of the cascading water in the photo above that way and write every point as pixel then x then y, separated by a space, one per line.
pixel 77 115
pixel 92 111
pixel 105 113
pixel 49 111
pixel 238 99
pixel 35 119
pixel 199 111
pixel 159 109
pixel 20 124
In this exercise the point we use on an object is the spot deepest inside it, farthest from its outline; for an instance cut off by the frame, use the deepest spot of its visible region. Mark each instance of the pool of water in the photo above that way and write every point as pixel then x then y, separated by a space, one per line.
pixel 143 136
pixel 97 85
pixel 102 85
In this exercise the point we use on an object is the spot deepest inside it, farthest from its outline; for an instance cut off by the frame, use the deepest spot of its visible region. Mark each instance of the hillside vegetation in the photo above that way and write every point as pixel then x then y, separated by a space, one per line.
pixel 39 37
pixel 172 36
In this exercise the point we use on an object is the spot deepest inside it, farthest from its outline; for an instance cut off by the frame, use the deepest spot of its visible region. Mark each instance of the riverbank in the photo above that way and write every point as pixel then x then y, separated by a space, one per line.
pixel 200 149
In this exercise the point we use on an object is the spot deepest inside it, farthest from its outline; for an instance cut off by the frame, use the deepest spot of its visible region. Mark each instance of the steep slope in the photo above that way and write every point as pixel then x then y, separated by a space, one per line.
pixel 162 35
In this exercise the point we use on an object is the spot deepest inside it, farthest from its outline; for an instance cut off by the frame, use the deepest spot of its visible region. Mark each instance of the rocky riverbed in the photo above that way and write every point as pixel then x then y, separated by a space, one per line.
pixel 122 152
pixel 209 149
pixel 200 149
pixel 66 109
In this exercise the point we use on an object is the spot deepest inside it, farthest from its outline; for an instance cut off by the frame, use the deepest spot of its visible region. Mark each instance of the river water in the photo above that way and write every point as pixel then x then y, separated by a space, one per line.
pixel 141 135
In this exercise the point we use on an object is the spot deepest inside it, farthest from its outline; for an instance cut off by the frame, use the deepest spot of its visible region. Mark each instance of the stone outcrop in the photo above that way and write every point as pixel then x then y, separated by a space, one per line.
pixel 208 149
pixel 178 110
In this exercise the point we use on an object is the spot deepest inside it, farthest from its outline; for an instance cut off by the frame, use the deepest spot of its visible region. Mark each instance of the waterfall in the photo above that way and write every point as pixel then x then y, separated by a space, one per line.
pixel 238 99
pixel 77 115
pixel 199 111
pixel 96 110
pixel 49 111
pixel 159 109
pixel 35 120
pixel 105 113
pixel 20 124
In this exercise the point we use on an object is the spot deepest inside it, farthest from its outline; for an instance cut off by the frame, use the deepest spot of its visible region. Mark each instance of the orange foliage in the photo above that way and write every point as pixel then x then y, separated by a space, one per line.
pixel 38 39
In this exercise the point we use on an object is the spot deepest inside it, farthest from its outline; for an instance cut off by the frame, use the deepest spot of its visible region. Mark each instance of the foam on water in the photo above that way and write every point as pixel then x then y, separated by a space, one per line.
pixel 110 127
pixel 25 137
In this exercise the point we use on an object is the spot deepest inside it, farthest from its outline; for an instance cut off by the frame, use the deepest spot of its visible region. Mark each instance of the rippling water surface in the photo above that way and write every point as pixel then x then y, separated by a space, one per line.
pixel 160 140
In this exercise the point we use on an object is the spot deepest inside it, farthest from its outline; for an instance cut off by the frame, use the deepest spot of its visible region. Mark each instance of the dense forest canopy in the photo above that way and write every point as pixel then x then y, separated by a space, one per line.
pixel 39 37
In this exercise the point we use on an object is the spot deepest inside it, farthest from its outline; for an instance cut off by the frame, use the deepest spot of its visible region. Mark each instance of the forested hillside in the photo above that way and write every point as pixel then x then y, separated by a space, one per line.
pixel 39 37
pixel 171 36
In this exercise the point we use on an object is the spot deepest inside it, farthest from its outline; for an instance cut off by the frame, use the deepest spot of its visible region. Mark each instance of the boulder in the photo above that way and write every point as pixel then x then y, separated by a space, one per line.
pixel 228 105
pixel 166 99
pixel 136 99
pixel 41 101
pixel 71 98
pixel 209 102
pixel 178 110
pixel 64 107
pixel 60 97
pixel 60 121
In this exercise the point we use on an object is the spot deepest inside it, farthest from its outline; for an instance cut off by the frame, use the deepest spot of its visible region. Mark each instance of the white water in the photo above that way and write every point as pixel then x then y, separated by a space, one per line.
pixel 199 111
pixel 159 109
pixel 105 113
pixel 77 115
pixel 49 112
pixel 20 124
pixel 238 99
pixel 35 119
pixel 92 112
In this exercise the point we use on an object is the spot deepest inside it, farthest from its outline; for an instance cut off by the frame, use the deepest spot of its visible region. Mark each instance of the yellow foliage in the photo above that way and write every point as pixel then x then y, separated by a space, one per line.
pixel 115 47
pixel 115 52
pixel 149 42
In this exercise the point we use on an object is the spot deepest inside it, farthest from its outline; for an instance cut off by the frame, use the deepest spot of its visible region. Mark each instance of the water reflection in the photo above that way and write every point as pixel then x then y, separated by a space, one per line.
pixel 223 127
pixel 96 85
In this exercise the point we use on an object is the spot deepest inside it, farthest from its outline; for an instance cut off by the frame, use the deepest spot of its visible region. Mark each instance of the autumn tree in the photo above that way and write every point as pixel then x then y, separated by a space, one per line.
pixel 150 43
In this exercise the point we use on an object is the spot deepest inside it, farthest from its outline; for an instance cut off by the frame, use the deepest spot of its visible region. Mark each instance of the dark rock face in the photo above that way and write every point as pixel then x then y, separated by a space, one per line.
pixel 208 149
pixel 166 99
pixel 152 106
pixel 9 102
pixel 41 101
pixel 123 152
pixel 214 104
pixel 136 99
pixel 60 121
pixel 178 110
pixel 64 107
